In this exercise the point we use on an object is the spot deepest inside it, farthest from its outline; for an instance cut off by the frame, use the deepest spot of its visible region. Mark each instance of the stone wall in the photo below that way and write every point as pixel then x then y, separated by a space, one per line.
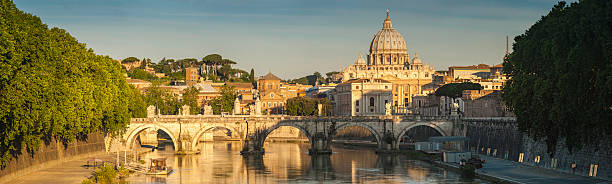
pixel 489 105
pixel 500 138
pixel 49 154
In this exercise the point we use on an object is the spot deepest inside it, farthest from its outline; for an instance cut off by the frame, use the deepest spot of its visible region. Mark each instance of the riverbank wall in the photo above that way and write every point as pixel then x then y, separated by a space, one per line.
pixel 51 154
pixel 502 139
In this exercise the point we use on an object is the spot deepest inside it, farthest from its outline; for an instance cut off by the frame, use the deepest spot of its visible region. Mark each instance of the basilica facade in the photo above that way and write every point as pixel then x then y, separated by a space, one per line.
pixel 389 60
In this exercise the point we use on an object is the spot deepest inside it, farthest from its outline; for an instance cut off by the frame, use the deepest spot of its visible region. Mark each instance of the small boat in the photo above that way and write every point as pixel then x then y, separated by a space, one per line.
pixel 158 167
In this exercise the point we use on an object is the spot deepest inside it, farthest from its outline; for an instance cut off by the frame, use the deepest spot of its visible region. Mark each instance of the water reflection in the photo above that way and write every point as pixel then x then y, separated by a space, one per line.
pixel 221 162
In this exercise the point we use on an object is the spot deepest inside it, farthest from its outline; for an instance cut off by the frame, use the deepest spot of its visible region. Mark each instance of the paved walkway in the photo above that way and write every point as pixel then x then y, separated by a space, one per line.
pixel 520 173
pixel 72 171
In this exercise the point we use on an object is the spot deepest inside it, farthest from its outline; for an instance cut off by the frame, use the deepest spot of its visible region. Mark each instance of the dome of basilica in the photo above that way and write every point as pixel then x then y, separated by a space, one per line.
pixel 388 40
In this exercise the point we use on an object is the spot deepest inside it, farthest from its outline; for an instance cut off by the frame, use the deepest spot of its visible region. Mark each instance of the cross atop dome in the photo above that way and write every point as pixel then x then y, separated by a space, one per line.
pixel 387 24
pixel 387 13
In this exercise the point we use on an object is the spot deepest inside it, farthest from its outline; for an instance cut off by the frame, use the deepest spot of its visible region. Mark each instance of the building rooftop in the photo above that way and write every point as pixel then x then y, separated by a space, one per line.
pixel 205 88
pixel 480 66
pixel 364 81
pixel 241 85
pixel 270 76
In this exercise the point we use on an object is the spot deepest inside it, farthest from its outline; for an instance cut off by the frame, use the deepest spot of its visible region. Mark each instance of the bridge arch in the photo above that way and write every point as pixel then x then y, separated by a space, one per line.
pixel 363 125
pixel 282 124
pixel 196 138
pixel 431 125
pixel 132 135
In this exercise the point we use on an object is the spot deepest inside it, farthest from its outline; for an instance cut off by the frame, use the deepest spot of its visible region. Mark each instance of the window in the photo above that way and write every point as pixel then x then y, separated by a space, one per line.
pixel 356 87
pixel 371 101
pixel 274 104
pixel 357 110
pixel 386 87
pixel 269 104
pixel 386 102
pixel 356 102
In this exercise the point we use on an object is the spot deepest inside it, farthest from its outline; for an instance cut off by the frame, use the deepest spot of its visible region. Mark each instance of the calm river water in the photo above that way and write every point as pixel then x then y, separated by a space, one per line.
pixel 221 162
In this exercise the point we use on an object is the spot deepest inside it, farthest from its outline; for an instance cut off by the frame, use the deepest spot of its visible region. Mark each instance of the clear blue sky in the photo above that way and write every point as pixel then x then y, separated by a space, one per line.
pixel 291 38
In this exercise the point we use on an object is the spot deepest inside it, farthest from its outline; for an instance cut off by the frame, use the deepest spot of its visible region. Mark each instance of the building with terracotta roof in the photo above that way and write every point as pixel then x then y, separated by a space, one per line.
pixel 269 87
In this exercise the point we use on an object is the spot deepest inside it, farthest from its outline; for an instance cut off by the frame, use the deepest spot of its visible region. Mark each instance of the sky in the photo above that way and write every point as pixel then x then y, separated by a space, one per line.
pixel 291 38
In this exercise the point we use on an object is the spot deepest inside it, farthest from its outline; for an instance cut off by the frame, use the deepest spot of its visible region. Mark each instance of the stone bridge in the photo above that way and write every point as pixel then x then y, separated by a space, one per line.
pixel 186 130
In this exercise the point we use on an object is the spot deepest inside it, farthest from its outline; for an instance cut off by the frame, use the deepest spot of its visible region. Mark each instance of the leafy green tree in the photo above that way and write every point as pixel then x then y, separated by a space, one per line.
pixel 224 103
pixel 304 106
pixel 455 90
pixel 163 100
pixel 561 84
pixel 141 74
pixel 190 98
pixel 53 88
pixel 137 106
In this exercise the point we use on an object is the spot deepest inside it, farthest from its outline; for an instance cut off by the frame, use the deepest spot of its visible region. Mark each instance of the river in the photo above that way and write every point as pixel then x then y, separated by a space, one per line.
pixel 221 162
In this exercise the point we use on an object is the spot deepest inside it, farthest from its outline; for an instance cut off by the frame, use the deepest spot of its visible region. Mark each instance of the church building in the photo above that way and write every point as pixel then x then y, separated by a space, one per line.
pixel 389 60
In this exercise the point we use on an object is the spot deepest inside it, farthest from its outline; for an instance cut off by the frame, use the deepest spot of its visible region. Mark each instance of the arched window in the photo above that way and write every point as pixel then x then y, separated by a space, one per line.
pixel 371 101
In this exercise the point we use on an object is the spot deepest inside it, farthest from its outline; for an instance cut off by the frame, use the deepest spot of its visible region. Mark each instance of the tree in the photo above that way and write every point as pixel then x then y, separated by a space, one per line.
pixel 163 100
pixel 252 78
pixel 561 84
pixel 330 74
pixel 190 98
pixel 130 60
pixel 252 75
pixel 224 103
pixel 212 60
pixel 137 106
pixel 304 106
pixel 141 74
pixel 53 88
pixel 307 80
pixel 455 90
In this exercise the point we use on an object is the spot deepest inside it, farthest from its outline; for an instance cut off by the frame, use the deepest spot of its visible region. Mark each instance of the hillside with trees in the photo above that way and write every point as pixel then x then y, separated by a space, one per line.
pixel 561 76
pixel 214 67
pixel 53 87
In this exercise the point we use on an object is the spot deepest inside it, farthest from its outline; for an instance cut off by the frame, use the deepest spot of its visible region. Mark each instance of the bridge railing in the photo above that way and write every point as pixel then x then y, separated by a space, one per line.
pixel 172 118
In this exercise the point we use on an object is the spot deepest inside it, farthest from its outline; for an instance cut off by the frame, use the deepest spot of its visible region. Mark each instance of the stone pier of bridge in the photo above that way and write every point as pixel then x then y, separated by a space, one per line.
pixel 185 131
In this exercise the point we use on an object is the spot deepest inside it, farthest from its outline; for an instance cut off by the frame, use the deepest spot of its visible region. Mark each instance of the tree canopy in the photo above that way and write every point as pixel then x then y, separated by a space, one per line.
pixel 561 76
pixel 224 103
pixel 190 98
pixel 304 106
pixel 141 74
pixel 164 101
pixel 52 86
pixel 130 60
pixel 455 90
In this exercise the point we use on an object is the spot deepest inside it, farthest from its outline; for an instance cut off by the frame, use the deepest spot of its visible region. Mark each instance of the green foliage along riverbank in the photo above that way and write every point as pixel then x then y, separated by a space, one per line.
pixel 52 86
pixel 561 69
